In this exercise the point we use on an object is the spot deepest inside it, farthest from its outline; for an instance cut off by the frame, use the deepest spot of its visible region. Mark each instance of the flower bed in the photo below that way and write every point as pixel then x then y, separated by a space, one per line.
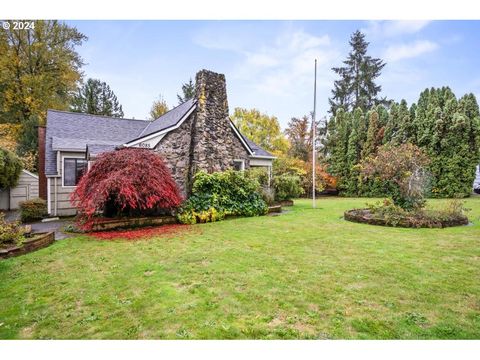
pixel 408 221
pixel 37 241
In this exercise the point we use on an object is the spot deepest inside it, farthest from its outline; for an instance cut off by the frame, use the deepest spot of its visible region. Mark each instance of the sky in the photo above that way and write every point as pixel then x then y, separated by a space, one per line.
pixel 269 65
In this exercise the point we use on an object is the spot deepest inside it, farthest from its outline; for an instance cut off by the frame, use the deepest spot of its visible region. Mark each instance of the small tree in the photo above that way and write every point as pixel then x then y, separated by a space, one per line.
pixel 159 107
pixel 125 181
pixel 404 166
pixel 262 129
pixel 10 168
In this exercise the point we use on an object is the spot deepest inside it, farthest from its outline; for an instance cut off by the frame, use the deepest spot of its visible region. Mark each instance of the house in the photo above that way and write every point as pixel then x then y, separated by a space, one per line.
pixel 26 189
pixel 196 135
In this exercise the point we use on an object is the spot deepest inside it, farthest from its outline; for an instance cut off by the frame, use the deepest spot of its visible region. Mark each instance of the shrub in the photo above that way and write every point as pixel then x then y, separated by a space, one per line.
pixel 10 168
pixel 125 182
pixel 11 233
pixel 260 175
pixel 403 166
pixel 287 187
pixel 222 193
pixel 33 209
pixel 303 169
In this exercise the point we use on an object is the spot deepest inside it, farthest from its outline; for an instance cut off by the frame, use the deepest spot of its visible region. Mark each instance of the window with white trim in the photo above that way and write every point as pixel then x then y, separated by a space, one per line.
pixel 239 165
pixel 73 169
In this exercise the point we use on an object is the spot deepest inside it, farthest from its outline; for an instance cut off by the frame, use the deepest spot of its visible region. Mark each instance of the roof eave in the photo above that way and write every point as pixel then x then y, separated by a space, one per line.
pixel 263 157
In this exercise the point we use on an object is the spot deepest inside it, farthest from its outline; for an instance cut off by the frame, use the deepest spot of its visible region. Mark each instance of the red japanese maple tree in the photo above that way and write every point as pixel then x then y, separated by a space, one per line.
pixel 126 180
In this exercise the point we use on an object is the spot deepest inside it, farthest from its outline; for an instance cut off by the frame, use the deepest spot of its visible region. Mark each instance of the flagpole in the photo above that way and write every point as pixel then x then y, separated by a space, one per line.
pixel 314 135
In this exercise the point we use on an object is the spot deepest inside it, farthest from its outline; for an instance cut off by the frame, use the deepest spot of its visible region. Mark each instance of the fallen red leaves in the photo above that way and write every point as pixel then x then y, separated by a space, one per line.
pixel 135 234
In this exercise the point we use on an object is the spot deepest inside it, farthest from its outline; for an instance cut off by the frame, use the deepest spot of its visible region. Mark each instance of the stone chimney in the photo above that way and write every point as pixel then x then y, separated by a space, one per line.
pixel 214 147
pixel 42 180
pixel 211 124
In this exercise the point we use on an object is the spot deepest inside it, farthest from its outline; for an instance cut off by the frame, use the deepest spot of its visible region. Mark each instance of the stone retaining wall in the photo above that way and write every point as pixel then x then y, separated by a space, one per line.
pixel 129 223
pixel 37 241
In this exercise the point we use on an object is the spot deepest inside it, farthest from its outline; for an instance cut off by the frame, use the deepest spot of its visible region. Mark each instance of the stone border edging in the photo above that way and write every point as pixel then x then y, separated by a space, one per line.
pixel 275 209
pixel 113 224
pixel 37 241
pixel 364 216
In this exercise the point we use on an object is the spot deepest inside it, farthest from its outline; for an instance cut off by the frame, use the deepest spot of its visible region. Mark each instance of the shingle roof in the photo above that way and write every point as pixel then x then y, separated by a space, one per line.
pixel 169 119
pixel 97 149
pixel 75 131
pixel 257 150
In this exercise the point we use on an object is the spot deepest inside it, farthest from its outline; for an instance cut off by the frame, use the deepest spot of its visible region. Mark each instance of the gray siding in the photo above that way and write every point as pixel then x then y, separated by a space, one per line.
pixel 26 189
pixel 60 195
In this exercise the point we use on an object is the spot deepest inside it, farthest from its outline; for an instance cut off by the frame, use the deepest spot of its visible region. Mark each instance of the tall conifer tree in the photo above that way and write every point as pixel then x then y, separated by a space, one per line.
pixel 356 86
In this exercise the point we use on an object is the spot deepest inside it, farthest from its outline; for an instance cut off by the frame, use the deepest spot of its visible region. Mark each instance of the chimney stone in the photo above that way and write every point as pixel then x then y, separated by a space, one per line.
pixel 214 146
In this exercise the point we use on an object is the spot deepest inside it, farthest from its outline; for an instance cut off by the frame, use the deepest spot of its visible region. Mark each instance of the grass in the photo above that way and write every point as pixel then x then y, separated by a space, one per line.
pixel 307 274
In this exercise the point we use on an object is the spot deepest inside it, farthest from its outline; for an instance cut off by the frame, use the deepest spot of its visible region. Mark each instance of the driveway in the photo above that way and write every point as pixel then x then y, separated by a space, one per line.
pixel 55 226
pixel 11 215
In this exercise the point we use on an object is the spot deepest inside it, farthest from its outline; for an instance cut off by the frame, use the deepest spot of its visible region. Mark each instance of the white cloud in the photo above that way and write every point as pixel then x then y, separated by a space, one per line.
pixel 274 71
pixel 284 65
pixel 395 28
pixel 406 51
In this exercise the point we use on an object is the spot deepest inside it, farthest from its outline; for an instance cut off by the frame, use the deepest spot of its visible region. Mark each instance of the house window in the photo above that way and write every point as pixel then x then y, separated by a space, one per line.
pixel 73 169
pixel 239 165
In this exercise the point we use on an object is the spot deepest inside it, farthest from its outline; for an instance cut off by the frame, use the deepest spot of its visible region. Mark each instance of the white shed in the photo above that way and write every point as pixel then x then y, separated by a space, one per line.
pixel 26 189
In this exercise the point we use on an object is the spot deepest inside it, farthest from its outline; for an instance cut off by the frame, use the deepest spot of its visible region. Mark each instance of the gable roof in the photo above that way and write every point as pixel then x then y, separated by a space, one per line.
pixel 172 118
pixel 257 150
pixel 169 119
pixel 70 131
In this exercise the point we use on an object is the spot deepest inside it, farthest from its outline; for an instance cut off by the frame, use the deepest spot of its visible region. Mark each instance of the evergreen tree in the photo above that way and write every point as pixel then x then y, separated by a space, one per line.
pixel 449 131
pixel 338 140
pixel 96 97
pixel 354 144
pixel 188 90
pixel 405 129
pixel 446 129
pixel 362 121
pixel 392 126
pixel 373 135
pixel 10 168
pixel 353 158
pixel 356 86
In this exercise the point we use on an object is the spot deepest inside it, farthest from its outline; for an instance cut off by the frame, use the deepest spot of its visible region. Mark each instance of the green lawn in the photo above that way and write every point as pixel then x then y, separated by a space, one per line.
pixel 305 274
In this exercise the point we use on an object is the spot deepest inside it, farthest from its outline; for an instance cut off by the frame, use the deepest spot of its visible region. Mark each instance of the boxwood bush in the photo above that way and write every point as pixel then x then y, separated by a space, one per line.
pixel 219 194
pixel 34 209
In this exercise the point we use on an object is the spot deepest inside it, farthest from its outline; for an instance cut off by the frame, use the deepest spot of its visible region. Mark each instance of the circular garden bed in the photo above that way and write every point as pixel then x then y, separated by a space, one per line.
pixel 366 216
